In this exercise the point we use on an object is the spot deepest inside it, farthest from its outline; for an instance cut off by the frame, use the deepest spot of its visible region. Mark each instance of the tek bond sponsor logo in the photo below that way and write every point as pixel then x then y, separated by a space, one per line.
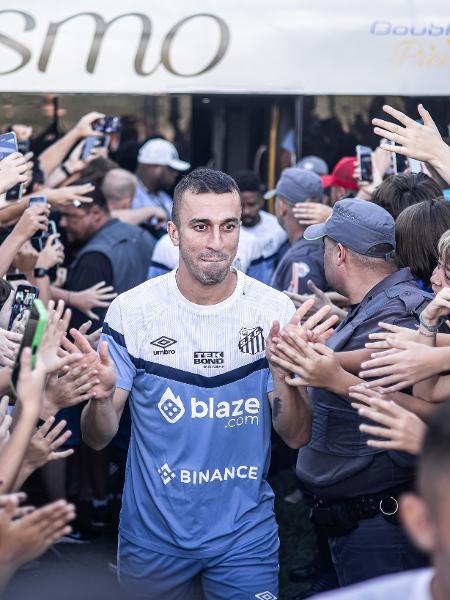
pixel 236 413
pixel 209 360
pixel 192 477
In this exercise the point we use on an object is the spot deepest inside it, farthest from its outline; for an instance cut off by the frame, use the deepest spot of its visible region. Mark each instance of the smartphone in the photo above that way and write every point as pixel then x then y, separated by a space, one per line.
pixel 52 229
pixel 8 145
pixel 37 200
pixel 38 239
pixel 23 300
pixel 415 166
pixel 32 338
pixel 15 276
pixel 364 158
pixel 23 146
pixel 399 162
pixel 108 124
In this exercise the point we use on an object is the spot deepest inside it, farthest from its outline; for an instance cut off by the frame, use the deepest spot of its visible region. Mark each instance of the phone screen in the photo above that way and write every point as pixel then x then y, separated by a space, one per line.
pixel 364 156
pixel 8 145
pixel 401 163
pixel 32 338
pixel 23 300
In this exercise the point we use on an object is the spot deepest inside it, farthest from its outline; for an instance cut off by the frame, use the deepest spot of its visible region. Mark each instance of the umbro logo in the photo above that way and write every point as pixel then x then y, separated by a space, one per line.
pixel 166 474
pixel 265 596
pixel 163 342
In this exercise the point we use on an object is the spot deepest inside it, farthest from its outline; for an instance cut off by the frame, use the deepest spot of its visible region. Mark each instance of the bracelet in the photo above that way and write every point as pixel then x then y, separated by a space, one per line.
pixel 426 333
pixel 65 170
pixel 430 328
pixel 68 297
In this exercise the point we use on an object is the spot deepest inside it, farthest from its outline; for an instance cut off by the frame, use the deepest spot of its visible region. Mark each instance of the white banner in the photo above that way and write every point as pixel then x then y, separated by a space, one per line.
pixel 226 46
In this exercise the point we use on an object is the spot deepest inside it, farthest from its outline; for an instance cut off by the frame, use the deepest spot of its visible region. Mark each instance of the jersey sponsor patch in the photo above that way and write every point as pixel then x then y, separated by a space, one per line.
pixel 251 341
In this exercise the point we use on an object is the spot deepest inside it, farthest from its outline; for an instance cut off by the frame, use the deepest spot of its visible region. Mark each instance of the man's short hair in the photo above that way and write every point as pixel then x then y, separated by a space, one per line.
pixel 397 192
pixel 248 181
pixel 118 184
pixel 434 462
pixel 98 199
pixel 201 181
pixel 96 170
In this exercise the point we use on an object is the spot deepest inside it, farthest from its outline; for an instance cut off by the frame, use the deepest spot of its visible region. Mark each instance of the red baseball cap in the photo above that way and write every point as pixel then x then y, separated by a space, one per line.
pixel 342 174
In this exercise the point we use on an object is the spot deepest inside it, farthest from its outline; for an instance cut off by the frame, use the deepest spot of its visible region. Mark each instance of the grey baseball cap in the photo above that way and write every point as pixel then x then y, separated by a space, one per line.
pixel 313 163
pixel 359 225
pixel 297 185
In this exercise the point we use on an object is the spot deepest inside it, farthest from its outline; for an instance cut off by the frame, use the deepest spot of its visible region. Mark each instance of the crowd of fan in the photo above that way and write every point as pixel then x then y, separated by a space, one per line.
pixel 110 235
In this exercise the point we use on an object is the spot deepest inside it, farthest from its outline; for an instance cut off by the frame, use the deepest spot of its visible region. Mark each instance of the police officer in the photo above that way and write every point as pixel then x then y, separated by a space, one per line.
pixel 355 488
pixel 304 259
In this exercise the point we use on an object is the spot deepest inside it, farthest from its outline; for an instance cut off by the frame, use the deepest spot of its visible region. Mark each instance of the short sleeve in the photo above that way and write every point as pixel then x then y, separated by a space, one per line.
pixel 113 333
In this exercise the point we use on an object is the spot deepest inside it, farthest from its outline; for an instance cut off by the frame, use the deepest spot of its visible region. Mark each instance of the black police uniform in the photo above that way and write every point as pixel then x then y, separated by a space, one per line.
pixel 309 255
pixel 354 484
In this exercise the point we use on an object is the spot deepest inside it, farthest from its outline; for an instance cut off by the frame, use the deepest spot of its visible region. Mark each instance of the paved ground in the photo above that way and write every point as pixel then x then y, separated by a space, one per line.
pixel 83 572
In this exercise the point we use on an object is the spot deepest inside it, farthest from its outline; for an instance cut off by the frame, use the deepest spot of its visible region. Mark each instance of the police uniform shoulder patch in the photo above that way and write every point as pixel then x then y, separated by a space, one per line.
pixel 251 340
pixel 303 270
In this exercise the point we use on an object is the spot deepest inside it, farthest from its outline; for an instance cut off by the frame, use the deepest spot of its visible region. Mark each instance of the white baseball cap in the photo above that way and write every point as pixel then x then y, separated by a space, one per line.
pixel 161 152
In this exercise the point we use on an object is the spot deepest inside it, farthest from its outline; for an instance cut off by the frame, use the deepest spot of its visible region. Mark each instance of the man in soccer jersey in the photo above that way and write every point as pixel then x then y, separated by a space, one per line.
pixel 188 349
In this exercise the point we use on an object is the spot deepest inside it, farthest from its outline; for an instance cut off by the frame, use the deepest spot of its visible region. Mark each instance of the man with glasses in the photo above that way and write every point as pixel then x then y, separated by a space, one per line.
pixel 109 251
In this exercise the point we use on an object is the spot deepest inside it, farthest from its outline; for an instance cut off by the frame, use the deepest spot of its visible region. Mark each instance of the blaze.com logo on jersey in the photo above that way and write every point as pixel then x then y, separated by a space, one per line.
pixel 235 413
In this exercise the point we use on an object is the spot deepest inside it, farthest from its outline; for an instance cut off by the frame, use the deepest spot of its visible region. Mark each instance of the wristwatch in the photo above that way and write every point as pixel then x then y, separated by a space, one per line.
pixel 429 328
pixel 40 272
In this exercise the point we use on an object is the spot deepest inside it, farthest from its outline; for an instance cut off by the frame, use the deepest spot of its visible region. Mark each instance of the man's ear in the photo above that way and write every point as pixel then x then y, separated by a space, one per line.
pixel 173 233
pixel 418 523
pixel 341 253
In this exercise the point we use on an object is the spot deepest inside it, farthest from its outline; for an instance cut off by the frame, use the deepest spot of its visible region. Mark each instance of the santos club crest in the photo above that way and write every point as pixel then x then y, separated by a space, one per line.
pixel 251 341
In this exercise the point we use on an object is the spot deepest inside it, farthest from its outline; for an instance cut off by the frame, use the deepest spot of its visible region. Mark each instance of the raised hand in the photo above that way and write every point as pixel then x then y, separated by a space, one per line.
pixel 84 126
pixel 74 195
pixel 311 213
pixel 396 428
pixel 391 335
pixel 44 445
pixel 411 138
pixel 13 170
pixel 99 295
pixel 5 422
pixel 398 368
pixel 99 362
pixel 52 254
pixel 9 345
pixel 312 364
pixel 73 386
pixel 22 540
pixel 57 323
pixel 34 218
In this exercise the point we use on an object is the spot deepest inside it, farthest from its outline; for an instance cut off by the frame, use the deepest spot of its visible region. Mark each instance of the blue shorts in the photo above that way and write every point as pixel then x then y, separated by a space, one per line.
pixel 249 573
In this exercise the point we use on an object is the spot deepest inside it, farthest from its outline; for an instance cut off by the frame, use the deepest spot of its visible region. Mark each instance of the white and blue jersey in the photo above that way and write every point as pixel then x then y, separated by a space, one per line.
pixel 166 256
pixel 271 237
pixel 198 384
